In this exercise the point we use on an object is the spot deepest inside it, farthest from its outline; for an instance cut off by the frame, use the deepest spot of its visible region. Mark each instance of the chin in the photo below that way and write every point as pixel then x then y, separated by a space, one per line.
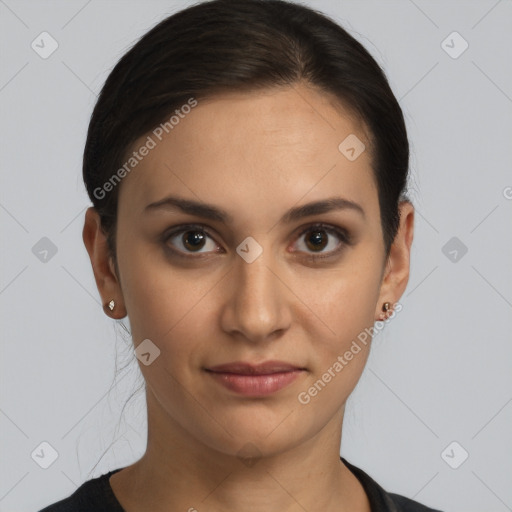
pixel 258 436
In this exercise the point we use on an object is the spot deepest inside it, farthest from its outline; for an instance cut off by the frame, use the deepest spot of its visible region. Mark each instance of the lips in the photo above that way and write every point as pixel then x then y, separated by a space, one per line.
pixel 255 380
pixel 265 368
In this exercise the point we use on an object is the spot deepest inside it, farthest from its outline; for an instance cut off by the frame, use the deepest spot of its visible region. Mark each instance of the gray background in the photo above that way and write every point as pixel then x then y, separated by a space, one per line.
pixel 440 372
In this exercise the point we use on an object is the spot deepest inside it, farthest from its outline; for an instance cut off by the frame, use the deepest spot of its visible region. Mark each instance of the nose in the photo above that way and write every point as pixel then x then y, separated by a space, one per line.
pixel 256 307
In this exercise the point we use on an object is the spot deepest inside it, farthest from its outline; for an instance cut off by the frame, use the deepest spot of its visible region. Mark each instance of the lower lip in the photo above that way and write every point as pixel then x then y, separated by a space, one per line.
pixel 255 385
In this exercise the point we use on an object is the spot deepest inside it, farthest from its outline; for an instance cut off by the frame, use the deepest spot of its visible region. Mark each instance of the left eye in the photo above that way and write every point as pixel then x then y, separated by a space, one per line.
pixel 191 239
pixel 319 237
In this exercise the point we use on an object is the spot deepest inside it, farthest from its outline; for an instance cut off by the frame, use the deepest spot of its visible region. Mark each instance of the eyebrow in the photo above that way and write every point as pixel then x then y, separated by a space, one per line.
pixel 208 211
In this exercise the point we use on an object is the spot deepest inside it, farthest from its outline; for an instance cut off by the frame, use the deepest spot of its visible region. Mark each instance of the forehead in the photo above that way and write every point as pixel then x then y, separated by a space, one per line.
pixel 259 147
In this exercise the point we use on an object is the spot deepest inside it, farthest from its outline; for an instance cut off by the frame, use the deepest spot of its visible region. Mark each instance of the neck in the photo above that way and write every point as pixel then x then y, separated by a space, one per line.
pixel 178 472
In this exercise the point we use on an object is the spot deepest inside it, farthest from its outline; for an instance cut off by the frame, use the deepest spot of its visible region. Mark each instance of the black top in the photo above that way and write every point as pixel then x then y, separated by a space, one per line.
pixel 96 495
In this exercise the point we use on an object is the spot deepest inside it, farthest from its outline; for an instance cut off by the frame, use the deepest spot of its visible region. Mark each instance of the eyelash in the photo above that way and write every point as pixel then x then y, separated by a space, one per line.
pixel 342 234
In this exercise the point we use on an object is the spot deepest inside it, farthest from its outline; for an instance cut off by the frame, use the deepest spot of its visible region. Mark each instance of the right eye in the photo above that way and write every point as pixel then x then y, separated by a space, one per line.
pixel 189 239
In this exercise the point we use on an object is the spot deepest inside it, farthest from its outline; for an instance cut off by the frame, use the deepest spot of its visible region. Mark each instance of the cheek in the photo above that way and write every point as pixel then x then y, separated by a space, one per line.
pixel 344 307
pixel 339 357
pixel 346 297
pixel 168 305
pixel 156 295
pixel 162 306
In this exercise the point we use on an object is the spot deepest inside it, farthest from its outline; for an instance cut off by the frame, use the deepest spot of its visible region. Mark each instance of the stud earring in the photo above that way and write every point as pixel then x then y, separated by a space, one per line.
pixel 111 305
pixel 386 310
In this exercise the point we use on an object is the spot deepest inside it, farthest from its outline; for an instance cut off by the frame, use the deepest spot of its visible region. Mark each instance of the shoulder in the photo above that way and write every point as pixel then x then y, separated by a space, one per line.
pixel 95 494
pixel 381 500
pixel 404 504
pixel 66 505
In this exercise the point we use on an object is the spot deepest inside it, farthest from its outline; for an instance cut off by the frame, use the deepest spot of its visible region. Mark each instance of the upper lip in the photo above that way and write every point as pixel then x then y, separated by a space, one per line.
pixel 265 368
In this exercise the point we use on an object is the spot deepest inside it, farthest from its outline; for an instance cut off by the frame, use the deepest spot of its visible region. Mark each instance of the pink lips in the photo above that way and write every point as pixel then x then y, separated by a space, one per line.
pixel 255 380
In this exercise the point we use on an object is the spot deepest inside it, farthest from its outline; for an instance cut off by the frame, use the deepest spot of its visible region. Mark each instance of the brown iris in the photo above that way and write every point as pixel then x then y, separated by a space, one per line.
pixel 193 240
pixel 317 239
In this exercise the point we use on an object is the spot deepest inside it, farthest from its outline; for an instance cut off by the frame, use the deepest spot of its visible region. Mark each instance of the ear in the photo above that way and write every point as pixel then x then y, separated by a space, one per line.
pixel 102 264
pixel 396 273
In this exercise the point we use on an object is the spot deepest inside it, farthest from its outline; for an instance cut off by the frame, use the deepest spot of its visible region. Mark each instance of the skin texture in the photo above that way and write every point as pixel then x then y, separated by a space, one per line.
pixel 254 155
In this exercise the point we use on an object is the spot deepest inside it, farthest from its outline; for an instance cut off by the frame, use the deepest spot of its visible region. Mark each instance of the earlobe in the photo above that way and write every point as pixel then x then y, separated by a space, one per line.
pixel 107 283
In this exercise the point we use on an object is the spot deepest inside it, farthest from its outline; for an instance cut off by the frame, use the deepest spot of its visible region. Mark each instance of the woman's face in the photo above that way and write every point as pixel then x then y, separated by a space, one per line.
pixel 259 284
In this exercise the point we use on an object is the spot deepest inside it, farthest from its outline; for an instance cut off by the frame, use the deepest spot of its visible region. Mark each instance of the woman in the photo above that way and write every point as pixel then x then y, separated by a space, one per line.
pixel 247 163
